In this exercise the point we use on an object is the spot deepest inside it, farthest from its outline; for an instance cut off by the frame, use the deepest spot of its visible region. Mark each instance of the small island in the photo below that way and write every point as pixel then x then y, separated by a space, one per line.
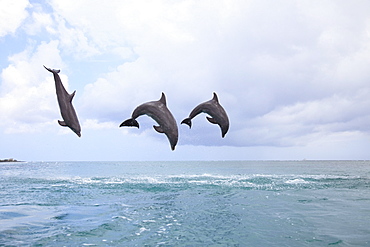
pixel 9 160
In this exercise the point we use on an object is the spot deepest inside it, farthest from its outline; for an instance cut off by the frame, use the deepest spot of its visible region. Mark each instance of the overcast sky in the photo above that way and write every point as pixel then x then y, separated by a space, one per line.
pixel 293 76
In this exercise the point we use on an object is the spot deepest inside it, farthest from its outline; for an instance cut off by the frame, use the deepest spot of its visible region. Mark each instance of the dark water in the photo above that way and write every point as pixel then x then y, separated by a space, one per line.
pixel 230 203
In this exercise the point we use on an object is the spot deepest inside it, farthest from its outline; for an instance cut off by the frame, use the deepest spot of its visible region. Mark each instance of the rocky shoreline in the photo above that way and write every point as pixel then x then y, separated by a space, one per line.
pixel 9 160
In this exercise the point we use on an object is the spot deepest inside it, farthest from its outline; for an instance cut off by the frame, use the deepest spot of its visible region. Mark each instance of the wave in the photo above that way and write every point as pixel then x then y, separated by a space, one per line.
pixel 181 182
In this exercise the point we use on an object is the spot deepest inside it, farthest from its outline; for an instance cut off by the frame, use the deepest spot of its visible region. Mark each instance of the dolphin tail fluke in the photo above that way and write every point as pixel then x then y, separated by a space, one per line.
pixel 187 121
pixel 52 70
pixel 130 123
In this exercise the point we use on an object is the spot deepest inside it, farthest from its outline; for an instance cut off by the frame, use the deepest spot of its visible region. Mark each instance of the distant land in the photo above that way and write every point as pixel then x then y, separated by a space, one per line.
pixel 9 160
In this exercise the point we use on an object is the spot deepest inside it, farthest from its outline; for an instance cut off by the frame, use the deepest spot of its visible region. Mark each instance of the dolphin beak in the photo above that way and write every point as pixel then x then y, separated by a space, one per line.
pixel 173 146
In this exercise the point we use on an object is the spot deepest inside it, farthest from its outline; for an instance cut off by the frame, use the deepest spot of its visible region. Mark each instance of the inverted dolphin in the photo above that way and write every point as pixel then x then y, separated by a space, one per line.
pixel 215 110
pixel 158 111
pixel 65 104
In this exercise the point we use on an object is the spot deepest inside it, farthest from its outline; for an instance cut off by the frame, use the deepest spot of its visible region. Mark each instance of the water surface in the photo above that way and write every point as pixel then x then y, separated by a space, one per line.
pixel 213 203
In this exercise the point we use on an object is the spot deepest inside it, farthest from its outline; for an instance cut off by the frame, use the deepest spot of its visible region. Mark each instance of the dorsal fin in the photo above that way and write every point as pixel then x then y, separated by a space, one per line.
pixel 71 96
pixel 163 99
pixel 215 97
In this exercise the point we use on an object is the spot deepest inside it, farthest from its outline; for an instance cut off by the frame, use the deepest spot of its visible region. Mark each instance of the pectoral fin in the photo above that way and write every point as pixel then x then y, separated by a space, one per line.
pixel 158 129
pixel 211 120
pixel 62 123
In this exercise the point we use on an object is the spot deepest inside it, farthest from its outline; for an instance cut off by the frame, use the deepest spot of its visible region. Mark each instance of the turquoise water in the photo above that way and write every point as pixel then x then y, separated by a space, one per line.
pixel 227 203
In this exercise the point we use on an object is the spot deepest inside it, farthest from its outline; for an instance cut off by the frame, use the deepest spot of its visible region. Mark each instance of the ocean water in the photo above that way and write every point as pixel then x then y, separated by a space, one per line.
pixel 215 203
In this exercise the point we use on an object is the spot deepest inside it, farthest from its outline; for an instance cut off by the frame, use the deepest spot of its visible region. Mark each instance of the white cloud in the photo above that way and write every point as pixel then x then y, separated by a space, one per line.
pixel 38 20
pixel 94 124
pixel 272 74
pixel 73 41
pixel 288 73
pixel 305 122
pixel 27 92
pixel 12 13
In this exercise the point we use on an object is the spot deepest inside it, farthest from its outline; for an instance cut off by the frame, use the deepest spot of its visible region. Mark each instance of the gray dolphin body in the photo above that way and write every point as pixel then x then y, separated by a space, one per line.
pixel 65 104
pixel 158 111
pixel 215 110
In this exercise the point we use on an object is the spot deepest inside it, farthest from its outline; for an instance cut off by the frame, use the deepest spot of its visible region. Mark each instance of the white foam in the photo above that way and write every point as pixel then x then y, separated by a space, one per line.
pixel 296 181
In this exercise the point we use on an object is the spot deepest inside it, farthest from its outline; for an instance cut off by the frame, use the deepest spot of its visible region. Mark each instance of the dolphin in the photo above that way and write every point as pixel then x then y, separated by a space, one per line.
pixel 215 110
pixel 65 104
pixel 158 111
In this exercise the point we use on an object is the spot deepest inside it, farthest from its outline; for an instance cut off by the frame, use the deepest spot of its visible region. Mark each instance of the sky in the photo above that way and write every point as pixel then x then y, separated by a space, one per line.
pixel 293 77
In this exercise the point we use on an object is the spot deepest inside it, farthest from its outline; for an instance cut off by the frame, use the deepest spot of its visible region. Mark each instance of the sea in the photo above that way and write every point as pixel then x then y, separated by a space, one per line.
pixel 185 203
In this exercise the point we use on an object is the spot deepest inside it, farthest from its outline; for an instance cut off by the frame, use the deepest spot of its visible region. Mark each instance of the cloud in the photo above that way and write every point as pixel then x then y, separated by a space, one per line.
pixel 44 25
pixel 287 73
pixel 95 125
pixel 305 122
pixel 73 41
pixel 12 15
pixel 272 74
pixel 27 92
pixel 37 21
